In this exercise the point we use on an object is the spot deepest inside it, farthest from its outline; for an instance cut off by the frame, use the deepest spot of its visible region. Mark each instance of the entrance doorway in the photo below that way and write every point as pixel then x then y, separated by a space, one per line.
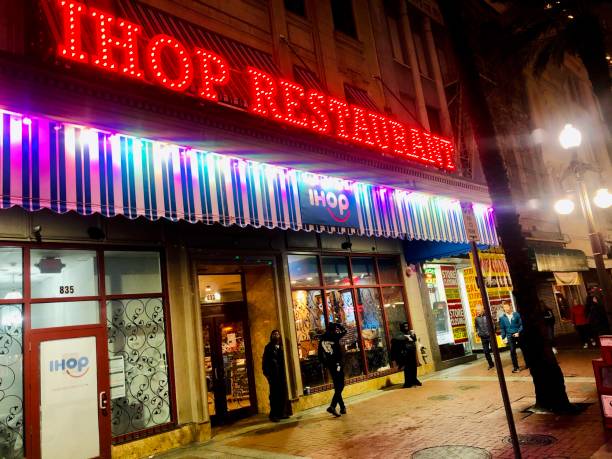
pixel 227 351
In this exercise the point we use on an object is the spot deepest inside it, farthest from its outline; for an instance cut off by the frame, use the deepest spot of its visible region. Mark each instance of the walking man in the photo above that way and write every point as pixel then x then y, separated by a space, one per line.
pixel 549 321
pixel 403 352
pixel 330 355
pixel 511 327
pixel 484 333
pixel 273 364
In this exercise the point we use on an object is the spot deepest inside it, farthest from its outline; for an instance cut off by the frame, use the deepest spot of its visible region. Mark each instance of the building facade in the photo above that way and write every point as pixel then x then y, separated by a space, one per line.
pixel 179 179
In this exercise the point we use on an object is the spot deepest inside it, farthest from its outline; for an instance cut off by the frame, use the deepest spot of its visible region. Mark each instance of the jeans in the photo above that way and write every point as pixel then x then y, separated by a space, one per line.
pixel 486 348
pixel 513 342
pixel 338 380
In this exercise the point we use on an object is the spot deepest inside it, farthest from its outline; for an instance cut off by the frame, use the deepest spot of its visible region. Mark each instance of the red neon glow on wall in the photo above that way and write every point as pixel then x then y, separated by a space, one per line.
pixel 170 64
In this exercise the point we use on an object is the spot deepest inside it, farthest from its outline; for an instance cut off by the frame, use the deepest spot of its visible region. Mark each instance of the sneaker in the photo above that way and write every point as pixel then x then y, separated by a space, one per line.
pixel 585 346
pixel 274 419
pixel 554 350
pixel 515 370
pixel 491 366
pixel 593 343
pixel 418 383
pixel 333 412
pixel 343 410
pixel 406 386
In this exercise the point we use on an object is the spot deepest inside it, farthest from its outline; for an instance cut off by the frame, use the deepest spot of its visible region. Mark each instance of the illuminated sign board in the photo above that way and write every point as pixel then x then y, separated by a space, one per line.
pixel 327 201
pixel 116 45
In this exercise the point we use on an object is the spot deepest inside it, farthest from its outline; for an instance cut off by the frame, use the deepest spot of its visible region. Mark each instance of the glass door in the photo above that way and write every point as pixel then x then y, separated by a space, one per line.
pixel 70 393
pixel 227 354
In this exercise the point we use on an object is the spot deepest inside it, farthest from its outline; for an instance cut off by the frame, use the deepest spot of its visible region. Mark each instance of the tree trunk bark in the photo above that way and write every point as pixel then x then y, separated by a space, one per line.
pixel 547 377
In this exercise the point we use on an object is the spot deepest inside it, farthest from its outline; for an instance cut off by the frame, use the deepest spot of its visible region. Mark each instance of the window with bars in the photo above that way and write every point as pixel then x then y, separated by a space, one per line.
pixel 364 293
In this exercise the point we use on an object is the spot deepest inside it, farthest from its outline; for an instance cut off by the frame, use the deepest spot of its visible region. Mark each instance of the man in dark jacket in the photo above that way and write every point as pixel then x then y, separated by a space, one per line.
pixel 484 333
pixel 330 355
pixel 403 352
pixel 273 364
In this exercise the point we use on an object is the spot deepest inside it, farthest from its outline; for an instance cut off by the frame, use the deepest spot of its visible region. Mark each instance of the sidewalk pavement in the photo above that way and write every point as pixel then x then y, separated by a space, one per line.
pixel 459 406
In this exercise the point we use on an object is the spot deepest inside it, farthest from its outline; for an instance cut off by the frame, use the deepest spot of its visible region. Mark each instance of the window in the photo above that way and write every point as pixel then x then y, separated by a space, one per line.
pixel 344 19
pixel 304 271
pixel 296 7
pixel 397 44
pixel 11 363
pixel 137 341
pixel 419 44
pixel 349 292
pixel 68 288
pixel 433 115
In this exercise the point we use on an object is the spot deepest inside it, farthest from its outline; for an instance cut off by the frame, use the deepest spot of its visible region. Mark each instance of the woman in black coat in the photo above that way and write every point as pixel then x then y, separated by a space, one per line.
pixel 273 364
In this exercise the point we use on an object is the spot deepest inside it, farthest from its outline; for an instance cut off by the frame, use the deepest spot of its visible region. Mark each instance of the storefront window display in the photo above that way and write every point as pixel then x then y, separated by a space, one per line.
pixel 365 294
pixel 449 310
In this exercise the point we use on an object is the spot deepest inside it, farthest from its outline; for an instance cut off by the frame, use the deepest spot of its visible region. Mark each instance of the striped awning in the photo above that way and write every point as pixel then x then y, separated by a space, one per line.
pixel 64 167
pixel 308 79
pixel 360 97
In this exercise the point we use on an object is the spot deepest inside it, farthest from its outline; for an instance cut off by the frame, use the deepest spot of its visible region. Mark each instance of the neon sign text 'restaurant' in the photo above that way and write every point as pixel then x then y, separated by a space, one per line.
pixel 119 47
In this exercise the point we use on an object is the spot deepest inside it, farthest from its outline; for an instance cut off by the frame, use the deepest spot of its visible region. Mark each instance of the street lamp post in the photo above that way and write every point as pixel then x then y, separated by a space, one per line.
pixel 570 139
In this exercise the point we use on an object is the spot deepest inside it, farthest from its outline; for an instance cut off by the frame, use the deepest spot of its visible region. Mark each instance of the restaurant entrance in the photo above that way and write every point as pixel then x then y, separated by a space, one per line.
pixel 227 351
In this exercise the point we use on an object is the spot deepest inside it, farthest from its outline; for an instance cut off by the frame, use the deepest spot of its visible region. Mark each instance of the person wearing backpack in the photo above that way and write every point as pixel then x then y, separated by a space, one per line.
pixel 330 355
pixel 403 352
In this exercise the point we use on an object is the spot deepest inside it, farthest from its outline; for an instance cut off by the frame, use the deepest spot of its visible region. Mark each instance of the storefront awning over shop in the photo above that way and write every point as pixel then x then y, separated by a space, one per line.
pixel 419 251
pixel 63 167
pixel 559 259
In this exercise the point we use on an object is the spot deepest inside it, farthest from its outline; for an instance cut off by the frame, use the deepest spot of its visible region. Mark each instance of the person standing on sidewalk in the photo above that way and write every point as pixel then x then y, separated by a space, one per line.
pixel 511 327
pixel 549 321
pixel 580 321
pixel 484 333
pixel 273 365
pixel 330 355
pixel 403 353
pixel 596 314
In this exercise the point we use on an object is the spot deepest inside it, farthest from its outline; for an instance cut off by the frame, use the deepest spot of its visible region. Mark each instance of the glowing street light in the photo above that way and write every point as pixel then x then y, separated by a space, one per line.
pixel 603 198
pixel 570 137
pixel 564 206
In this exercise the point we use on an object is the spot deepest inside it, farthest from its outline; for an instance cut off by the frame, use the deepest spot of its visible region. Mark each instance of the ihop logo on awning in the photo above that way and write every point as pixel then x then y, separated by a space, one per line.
pixel 327 201
pixel 75 367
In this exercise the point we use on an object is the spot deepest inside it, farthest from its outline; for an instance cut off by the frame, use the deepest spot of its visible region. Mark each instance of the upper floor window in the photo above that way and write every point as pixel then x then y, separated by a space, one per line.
pixel 420 47
pixel 344 18
pixel 397 44
pixel 296 7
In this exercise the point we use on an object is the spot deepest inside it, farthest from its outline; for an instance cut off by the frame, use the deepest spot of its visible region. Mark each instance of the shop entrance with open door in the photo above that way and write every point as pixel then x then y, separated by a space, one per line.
pixel 227 352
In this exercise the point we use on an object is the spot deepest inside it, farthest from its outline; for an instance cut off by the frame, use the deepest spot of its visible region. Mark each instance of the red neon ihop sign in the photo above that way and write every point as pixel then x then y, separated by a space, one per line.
pixel 119 47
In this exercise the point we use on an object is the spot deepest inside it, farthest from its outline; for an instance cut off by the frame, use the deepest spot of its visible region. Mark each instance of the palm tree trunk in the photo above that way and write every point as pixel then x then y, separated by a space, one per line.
pixel 547 377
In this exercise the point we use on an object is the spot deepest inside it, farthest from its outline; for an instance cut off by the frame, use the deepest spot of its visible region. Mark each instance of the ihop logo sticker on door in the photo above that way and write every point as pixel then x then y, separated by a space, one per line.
pixel 74 366
pixel 327 201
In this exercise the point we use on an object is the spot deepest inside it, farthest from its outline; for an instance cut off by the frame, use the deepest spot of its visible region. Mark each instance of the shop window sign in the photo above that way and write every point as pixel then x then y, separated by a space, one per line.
pixel 115 45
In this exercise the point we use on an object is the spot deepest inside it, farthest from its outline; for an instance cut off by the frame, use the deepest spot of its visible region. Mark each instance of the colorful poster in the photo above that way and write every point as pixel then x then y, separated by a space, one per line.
pixel 497 280
pixel 453 303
